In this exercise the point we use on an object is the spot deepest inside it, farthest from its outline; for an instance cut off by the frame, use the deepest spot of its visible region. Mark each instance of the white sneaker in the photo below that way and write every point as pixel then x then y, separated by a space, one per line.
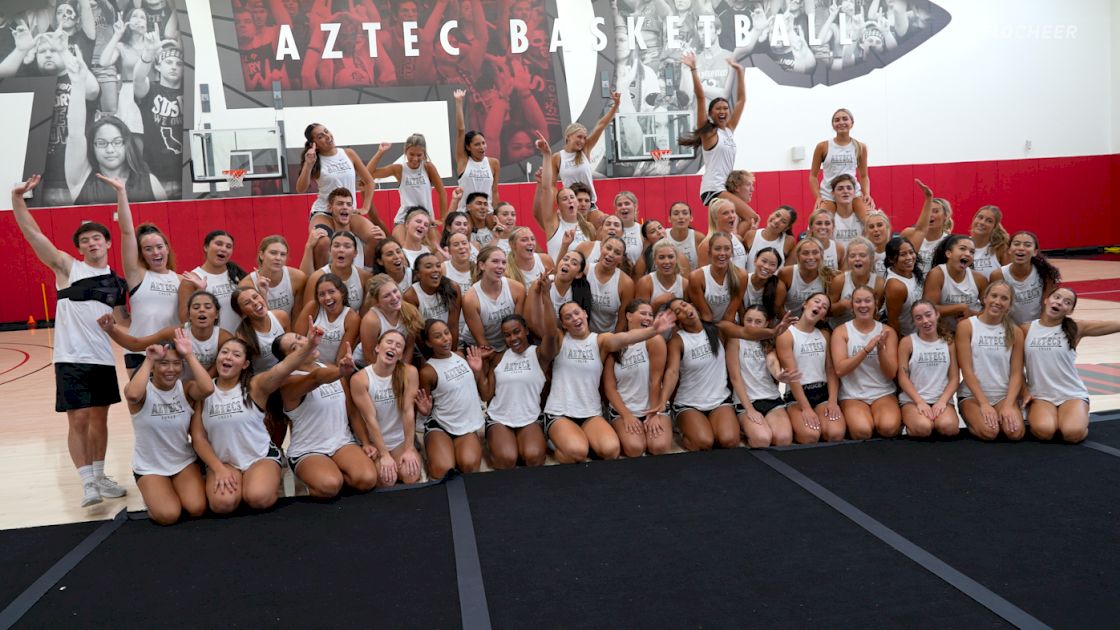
pixel 92 496
pixel 110 489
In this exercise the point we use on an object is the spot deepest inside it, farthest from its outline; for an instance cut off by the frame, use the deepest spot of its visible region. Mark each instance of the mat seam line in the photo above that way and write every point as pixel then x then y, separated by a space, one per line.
pixel 938 567
pixel 32 594
pixel 1101 448
pixel 468 569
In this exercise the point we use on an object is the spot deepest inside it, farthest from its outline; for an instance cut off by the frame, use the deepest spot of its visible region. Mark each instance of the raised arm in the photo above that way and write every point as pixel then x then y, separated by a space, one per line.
pixel 264 384
pixel 111 52
pixel 460 130
pixel 612 342
pixel 689 60
pixel 130 253
pixel 597 132
pixel 296 387
pixel 740 92
pixel 45 250
pixel 916 233
pixel 544 199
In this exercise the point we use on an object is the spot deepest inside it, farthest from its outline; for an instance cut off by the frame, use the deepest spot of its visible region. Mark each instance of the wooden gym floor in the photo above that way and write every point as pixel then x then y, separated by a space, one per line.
pixel 41 487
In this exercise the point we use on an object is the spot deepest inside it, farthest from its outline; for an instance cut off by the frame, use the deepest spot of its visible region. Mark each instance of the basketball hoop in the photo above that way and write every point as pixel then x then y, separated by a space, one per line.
pixel 235 177
pixel 658 154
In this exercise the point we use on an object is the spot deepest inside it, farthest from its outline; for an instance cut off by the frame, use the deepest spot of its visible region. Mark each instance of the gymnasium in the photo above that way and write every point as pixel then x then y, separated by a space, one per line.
pixel 563 313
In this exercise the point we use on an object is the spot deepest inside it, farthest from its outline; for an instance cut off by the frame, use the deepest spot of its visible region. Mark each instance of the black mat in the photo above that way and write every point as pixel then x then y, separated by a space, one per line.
pixel 29 552
pixel 696 540
pixel 378 560
pixel 1107 433
pixel 1035 523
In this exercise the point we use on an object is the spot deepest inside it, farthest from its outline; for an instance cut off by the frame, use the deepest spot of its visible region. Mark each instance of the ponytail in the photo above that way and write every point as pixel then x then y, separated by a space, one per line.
pixel 308 143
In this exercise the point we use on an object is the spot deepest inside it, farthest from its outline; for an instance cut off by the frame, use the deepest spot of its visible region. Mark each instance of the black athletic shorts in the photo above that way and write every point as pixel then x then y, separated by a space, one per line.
pixel 762 406
pixel 707 197
pixel 133 361
pixel 815 393
pixel 84 385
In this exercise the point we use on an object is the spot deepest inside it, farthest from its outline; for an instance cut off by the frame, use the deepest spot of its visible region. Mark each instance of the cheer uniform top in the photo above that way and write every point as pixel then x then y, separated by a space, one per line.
pixel 703 373
pixel 839 160
pixel 518 383
pixel 389 417
pixel 221 286
pixel 759 243
pixel 280 297
pixel 476 177
pixel 1028 295
pixel 235 428
pixel 1051 370
pixel 928 369
pixel 335 171
pixel 866 382
pixel 319 424
pixel 456 407
pixel 153 306
pixel 605 301
pixel 718 296
pixel 718 162
pixel 991 361
pixel 576 373
pixel 572 172
pixel 161 428
pixel 491 311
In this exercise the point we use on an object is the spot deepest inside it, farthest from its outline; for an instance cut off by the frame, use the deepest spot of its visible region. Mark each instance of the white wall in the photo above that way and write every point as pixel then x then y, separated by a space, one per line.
pixel 977 90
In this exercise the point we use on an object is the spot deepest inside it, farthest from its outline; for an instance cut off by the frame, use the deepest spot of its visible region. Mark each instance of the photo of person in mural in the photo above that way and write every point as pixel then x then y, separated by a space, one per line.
pixel 508 96
pixel 99 53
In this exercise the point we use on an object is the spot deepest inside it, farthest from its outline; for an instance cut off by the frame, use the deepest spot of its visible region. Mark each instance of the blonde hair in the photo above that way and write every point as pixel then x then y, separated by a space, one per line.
pixel 573 129
pixel 826 272
pixel 417 140
pixel 1008 325
pixel 732 277
pixel 483 256
pixel 857 143
pixel 817 213
pixel 626 194
pixel 513 272
pixel 713 211
pixel 1000 237
pixel 947 210
pixel 662 244
pixel 735 178
pixel 270 240
pixel 410 316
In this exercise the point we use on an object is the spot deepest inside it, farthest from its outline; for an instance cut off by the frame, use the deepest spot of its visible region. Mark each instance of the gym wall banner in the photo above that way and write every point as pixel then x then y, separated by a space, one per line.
pixel 109 76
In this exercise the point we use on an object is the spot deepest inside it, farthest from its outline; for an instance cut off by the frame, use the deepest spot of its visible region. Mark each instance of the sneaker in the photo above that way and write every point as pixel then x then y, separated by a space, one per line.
pixel 91 496
pixel 110 489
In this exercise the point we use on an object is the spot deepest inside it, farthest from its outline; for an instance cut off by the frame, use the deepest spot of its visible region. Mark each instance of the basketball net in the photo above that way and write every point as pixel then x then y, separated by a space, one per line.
pixel 235 177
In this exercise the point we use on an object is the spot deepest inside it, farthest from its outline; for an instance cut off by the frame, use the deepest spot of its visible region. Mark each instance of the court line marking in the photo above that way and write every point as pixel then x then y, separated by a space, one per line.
pixel 32 594
pixel 26 358
pixel 970 587
pixel 468 569
pixel 1102 448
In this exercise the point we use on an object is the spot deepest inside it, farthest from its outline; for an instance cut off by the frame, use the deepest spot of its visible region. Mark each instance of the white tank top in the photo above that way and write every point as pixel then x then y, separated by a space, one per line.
pixel 718 162
pixel 1028 295
pixel 355 292
pixel 809 352
pixel 925 253
pixel 831 256
pixel 866 382
pixel 482 236
pixel 406 281
pixel 985 261
pixel 991 361
pixel 476 177
pixel 319 423
pixel 965 292
pixel 631 373
pixel 556 241
pixel 154 304
pixel 718 296
pixel 632 236
pixel 605 301
pixel 491 311
pixel 838 160
pixel 751 295
pixel 703 374
pixel 161 429
pixel 756 375
pixel 760 243
pixel 385 404
pixel 799 290
pixel 559 300
pixel 518 383
pixel 845 229
pixel 235 428
pixel 333 332
pixel 280 297
pixel 455 402
pixel 571 172
pixel 928 369
pixel 913 294
pixel 1051 365
pixel 430 306
pixel 687 247
pixel 593 255
pixel 415 190
pixel 205 350
pixel 739 255
pixel 534 273
pixel 576 372
pixel 676 289
pixel 77 337
pixel 461 278
pixel 222 288
pixel 265 360
pixel 845 294
pixel 335 171
pixel 412 254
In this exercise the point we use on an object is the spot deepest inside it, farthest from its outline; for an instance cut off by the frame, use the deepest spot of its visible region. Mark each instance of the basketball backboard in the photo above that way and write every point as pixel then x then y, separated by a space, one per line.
pixel 257 151
pixel 648 136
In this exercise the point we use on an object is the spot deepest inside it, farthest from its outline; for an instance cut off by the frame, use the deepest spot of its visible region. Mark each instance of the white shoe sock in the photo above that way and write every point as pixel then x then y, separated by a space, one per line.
pixel 98 470
pixel 87 475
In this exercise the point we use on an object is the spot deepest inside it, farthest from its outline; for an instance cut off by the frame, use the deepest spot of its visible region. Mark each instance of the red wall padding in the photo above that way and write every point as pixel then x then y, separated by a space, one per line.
pixel 1067 201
